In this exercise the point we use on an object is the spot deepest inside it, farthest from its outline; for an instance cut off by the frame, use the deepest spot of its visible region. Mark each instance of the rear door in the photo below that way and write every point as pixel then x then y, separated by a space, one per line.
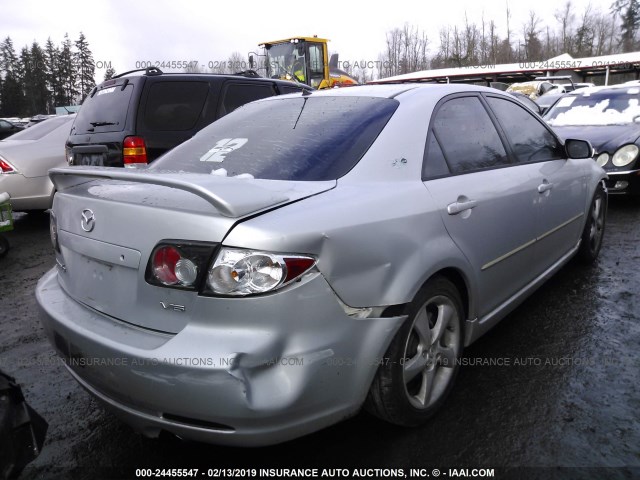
pixel 487 203
pixel 560 182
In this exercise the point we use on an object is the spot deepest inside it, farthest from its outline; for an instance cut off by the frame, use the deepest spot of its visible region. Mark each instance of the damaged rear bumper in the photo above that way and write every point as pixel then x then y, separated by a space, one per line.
pixel 246 372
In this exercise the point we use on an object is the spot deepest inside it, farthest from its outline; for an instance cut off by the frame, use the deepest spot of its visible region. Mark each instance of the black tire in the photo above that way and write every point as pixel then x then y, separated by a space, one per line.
pixel 594 227
pixel 4 246
pixel 398 393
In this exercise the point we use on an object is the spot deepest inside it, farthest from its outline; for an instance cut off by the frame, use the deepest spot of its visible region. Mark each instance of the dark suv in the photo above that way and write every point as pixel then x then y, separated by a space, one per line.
pixel 133 119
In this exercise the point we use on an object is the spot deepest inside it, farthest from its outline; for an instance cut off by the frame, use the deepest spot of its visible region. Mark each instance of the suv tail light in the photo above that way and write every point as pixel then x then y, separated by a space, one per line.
pixel 6 167
pixel 134 151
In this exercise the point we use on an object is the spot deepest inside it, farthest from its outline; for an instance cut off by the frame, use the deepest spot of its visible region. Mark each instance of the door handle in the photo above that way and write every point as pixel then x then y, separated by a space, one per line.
pixel 460 206
pixel 544 186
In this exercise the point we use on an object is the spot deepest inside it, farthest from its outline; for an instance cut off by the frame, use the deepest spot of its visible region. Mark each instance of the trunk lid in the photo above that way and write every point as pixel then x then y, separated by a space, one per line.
pixel 109 220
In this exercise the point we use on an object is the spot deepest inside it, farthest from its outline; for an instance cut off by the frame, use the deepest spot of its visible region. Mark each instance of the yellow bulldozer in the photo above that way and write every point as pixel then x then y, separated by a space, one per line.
pixel 305 60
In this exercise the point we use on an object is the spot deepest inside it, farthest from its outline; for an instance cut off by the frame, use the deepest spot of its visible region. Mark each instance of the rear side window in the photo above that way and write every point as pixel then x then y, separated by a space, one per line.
pixel 284 89
pixel 467 136
pixel 435 164
pixel 299 138
pixel 174 106
pixel 105 111
pixel 530 140
pixel 235 95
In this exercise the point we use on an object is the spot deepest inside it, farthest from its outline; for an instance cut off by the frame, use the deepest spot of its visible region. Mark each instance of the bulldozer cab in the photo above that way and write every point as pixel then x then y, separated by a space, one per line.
pixel 304 60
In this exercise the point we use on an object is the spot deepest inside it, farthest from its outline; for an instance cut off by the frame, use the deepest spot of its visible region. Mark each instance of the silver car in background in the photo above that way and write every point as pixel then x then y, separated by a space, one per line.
pixel 310 254
pixel 25 160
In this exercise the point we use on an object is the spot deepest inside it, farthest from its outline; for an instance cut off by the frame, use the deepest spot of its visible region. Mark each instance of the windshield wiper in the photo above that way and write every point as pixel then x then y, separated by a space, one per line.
pixel 102 124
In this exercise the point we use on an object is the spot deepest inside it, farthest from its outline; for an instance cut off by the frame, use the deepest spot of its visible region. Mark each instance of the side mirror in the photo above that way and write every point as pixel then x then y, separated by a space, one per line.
pixel 251 62
pixel 578 149
pixel 333 61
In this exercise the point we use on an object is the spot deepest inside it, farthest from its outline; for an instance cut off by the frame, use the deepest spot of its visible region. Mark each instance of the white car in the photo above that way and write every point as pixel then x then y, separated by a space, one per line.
pixel 25 160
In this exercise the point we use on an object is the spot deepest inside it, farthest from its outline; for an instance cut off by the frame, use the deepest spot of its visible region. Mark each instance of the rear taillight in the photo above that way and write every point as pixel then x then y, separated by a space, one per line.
pixel 234 272
pixel 6 167
pixel 179 264
pixel 134 151
pixel 239 272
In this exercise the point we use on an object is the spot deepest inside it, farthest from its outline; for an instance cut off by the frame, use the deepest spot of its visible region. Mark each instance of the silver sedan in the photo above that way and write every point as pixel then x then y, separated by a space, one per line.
pixel 308 255
pixel 25 160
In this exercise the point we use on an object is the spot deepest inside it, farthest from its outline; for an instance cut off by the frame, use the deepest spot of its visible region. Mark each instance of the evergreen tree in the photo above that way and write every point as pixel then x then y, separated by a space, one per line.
pixel 35 81
pixel 85 67
pixel 67 72
pixel 8 57
pixel 54 82
pixel 10 69
pixel 629 10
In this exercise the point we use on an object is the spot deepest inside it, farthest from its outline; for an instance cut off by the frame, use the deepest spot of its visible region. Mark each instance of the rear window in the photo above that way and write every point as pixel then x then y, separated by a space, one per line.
pixel 39 130
pixel 174 106
pixel 303 138
pixel 106 111
pixel 237 94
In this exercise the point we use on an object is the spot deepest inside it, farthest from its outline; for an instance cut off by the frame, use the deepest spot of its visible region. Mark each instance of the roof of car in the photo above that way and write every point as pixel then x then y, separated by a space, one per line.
pixel 191 75
pixel 586 91
pixel 392 90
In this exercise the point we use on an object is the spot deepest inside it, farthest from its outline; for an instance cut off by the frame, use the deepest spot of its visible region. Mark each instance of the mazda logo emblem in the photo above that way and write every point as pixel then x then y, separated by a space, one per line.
pixel 88 220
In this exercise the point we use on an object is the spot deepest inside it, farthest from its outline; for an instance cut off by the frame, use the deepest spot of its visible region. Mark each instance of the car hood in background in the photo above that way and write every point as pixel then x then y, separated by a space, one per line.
pixel 604 138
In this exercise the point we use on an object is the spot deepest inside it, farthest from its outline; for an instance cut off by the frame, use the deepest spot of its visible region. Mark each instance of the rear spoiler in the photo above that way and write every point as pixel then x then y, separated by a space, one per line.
pixel 232 197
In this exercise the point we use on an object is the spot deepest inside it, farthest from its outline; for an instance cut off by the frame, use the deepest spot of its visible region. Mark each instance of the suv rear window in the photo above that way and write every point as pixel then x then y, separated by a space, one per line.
pixel 301 138
pixel 174 106
pixel 106 111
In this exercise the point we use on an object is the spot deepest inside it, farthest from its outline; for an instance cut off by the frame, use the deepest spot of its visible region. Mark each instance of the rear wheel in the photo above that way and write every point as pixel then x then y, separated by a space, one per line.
pixel 421 363
pixel 4 246
pixel 593 232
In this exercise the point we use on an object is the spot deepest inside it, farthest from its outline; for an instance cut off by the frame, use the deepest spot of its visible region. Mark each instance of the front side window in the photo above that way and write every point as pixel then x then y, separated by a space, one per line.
pixel 298 138
pixel 467 136
pixel 530 140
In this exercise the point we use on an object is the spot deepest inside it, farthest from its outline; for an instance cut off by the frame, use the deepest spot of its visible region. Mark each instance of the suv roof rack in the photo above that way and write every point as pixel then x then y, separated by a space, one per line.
pixel 248 73
pixel 151 71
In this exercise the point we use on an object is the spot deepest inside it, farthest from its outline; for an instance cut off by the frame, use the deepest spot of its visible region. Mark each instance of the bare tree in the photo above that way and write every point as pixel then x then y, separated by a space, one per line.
pixel 406 51
pixel 532 44
pixel 565 18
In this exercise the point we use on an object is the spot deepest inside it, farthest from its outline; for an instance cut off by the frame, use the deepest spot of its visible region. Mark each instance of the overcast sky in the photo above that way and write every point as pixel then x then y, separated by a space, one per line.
pixel 126 32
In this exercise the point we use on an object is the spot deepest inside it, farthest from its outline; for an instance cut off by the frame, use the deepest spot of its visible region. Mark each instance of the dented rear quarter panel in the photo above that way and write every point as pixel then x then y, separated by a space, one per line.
pixel 378 235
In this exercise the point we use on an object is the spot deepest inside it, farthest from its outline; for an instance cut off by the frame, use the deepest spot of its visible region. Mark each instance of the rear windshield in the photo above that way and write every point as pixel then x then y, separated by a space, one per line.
pixel 300 138
pixel 41 129
pixel 106 111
